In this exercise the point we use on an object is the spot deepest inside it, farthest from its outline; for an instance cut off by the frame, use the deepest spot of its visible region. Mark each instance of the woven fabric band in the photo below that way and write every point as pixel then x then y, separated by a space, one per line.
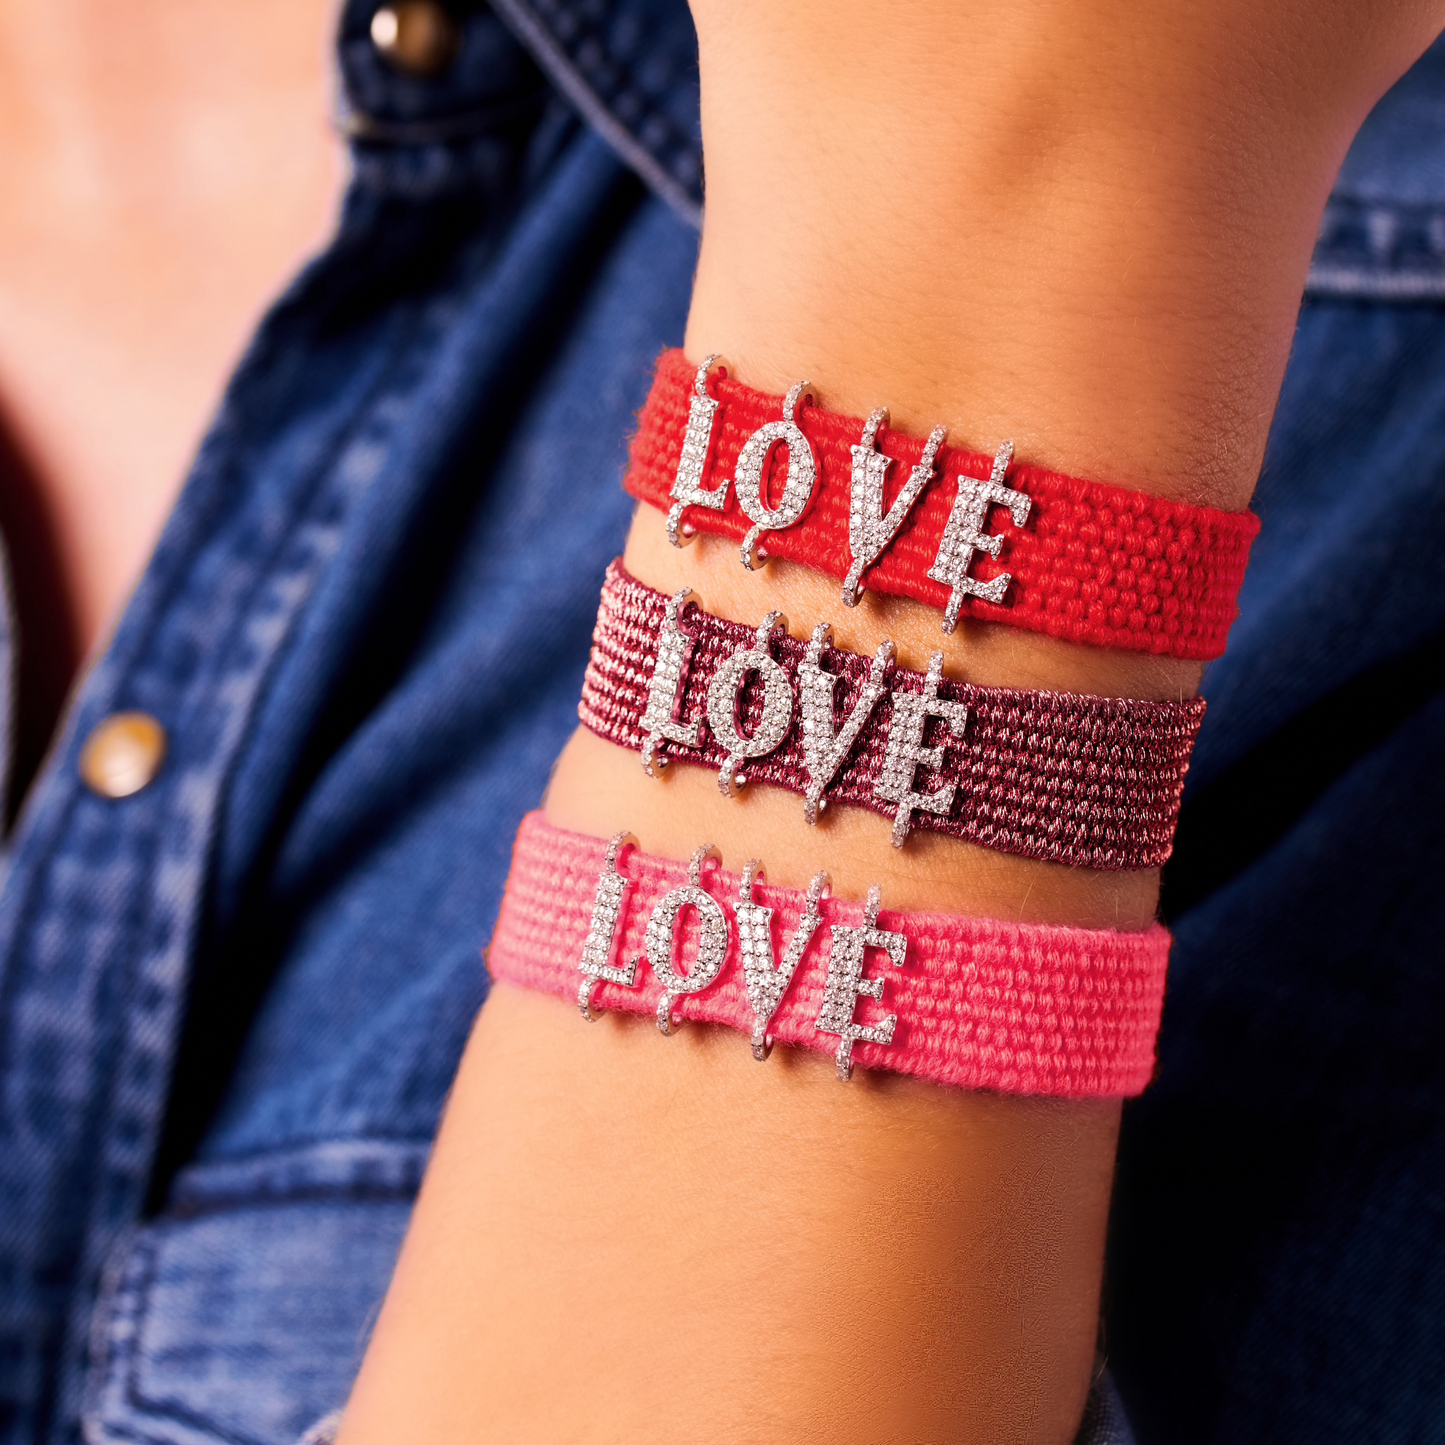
pixel 1022 1009
pixel 1089 781
pixel 1085 561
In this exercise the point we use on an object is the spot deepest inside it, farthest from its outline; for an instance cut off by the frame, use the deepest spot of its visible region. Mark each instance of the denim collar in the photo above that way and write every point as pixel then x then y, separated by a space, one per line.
pixel 627 67
pixel 630 68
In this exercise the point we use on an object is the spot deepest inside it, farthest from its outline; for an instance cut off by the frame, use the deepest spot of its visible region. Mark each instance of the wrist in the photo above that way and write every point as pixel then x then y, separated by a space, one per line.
pixel 1017 226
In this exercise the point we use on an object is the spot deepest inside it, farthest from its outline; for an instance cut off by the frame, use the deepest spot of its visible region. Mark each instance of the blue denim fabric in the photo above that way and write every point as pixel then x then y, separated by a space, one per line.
pixel 230 1005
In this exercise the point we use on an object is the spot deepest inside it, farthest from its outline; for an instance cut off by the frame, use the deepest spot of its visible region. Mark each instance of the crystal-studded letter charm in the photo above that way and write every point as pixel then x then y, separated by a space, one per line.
pixel 905 752
pixel 869 529
pixel 712 939
pixel 964 535
pixel 674 649
pixel 724 713
pixel 687 489
pixel 596 964
pixel 752 469
pixel 824 746
pixel 767 982
pixel 847 984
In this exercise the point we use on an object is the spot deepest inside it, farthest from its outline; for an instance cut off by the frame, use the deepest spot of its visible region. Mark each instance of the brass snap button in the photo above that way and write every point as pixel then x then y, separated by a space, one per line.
pixel 416 37
pixel 122 754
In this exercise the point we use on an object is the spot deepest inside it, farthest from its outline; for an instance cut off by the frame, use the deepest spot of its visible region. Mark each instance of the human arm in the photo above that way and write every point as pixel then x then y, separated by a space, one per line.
pixel 597 1252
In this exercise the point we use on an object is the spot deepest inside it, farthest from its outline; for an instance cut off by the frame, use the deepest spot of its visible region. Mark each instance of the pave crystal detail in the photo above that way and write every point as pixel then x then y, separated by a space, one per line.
pixel 1096 564
pixel 981 1003
pixel 766 981
pixel 725 704
pixel 664 692
pixel 687 487
pixel 753 467
pixel 963 535
pixel 847 983
pixel 596 963
pixel 906 752
pixel 825 744
pixel 1094 782
pixel 712 939
pixel 869 529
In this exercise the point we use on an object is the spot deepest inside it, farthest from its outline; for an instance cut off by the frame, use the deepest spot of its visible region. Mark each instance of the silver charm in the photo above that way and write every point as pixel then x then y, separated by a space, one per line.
pixel 847 984
pixel 869 530
pixel 712 942
pixel 596 962
pixel 687 488
pixel 767 982
pixel 664 692
pixel 825 747
pixel 753 465
pixel 722 703
pixel 905 752
pixel 964 535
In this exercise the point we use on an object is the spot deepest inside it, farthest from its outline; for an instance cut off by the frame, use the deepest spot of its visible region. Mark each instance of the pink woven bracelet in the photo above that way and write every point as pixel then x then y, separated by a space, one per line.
pixel 1093 782
pixel 1018 1008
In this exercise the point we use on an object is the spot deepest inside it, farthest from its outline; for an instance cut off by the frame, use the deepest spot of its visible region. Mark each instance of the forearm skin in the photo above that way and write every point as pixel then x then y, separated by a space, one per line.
pixel 1082 226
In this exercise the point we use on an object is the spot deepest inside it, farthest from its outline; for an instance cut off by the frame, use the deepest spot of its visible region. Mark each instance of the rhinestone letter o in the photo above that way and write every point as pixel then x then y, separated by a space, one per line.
pixel 752 468
pixel 723 712
pixel 712 942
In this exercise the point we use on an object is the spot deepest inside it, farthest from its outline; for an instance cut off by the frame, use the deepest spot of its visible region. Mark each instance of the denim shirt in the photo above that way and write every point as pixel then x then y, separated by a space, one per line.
pixel 231 1004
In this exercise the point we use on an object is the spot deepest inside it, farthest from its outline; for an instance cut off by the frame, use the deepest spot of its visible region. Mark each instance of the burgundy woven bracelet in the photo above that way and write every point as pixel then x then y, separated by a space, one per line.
pixel 1090 781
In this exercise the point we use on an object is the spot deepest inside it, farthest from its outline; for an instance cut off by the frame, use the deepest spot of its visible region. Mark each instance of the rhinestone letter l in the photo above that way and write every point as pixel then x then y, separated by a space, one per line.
pixel 687 488
pixel 767 982
pixel 964 535
pixel 596 962
pixel 674 648
pixel 712 941
pixel 846 984
pixel 905 752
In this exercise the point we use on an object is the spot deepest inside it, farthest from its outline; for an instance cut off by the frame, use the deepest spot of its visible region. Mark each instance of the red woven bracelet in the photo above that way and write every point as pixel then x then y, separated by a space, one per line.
pixel 1090 781
pixel 965 533
pixel 1022 1008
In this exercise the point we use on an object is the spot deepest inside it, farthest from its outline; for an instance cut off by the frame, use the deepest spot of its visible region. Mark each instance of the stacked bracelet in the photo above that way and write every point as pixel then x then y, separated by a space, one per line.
pixel 1073 559
pixel 1090 781
pixel 1087 781
pixel 964 1001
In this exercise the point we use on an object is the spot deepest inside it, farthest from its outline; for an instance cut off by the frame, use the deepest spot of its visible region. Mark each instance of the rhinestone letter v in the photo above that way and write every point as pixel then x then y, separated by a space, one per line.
pixel 766 982
pixel 825 745
pixel 869 530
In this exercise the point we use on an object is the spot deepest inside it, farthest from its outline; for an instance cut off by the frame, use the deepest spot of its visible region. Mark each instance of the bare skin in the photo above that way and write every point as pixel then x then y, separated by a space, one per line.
pixel 166 167
pixel 1085 226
